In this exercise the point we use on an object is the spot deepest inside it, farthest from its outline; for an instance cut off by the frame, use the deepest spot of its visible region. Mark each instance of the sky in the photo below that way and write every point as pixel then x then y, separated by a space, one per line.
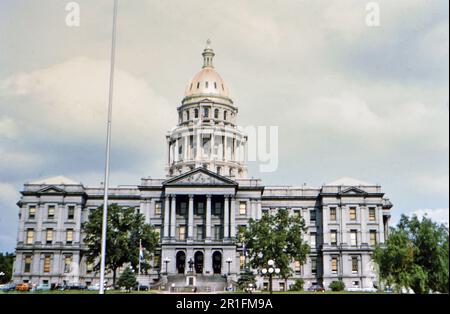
pixel 348 99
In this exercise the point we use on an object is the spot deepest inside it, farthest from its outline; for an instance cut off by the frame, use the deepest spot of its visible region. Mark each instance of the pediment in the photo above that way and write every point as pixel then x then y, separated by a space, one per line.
pixel 199 177
pixel 51 190
pixel 353 191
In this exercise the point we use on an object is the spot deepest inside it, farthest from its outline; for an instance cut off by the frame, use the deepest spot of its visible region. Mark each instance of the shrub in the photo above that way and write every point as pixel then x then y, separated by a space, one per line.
pixel 298 285
pixel 337 285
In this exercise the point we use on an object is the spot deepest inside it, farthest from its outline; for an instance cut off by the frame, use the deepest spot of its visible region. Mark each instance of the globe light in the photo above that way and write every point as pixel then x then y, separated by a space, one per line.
pixel 270 262
pixel 271 270
pixel 264 271
pixel 277 271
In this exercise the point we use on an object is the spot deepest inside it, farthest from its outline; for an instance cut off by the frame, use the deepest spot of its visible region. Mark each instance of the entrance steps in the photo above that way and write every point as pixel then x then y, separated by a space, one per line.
pixel 203 283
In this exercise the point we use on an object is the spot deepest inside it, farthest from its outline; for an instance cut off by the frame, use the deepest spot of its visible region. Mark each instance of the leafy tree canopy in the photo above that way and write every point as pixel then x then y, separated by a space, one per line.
pixel 6 267
pixel 127 279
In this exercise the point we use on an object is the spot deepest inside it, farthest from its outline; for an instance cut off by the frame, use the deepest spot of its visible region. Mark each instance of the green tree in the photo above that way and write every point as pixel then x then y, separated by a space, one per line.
pixel 337 285
pixel 275 237
pixel 125 228
pixel 6 267
pixel 246 279
pixel 415 256
pixel 127 279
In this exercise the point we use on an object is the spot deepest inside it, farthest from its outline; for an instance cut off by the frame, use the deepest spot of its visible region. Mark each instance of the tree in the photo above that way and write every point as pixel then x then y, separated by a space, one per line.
pixel 6 267
pixel 246 279
pixel 415 256
pixel 127 279
pixel 337 285
pixel 275 237
pixel 125 228
pixel 298 285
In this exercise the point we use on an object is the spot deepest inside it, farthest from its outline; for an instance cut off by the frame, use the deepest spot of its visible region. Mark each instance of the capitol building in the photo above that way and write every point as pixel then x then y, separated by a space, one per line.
pixel 199 207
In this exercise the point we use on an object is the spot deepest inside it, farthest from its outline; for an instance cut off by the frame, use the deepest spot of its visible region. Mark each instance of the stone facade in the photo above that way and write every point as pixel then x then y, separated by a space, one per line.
pixel 199 206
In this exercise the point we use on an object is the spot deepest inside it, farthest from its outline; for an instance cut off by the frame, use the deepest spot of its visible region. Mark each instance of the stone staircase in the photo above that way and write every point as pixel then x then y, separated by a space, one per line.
pixel 204 283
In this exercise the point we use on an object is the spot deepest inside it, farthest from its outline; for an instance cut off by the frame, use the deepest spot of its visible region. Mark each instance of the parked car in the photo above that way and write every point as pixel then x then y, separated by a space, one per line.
pixel 8 287
pixel 43 287
pixel 141 288
pixel 23 287
pixel 316 288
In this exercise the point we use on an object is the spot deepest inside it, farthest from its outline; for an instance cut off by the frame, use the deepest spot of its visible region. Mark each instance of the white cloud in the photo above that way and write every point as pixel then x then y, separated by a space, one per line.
pixel 439 215
pixel 8 128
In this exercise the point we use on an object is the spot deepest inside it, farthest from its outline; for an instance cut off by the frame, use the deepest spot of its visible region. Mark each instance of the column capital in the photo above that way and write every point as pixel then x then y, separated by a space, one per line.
pixel 208 195
pixel 191 196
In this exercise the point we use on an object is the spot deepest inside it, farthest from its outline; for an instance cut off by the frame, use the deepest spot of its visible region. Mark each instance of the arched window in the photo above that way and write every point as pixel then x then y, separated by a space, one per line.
pixel 206 84
pixel 215 85
pixel 216 113
pixel 187 115
pixel 196 113
pixel 225 114
pixel 206 112
pixel 198 85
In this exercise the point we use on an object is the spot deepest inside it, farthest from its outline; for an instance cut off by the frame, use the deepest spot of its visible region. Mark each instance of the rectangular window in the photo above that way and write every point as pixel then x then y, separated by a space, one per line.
pixel 27 263
pixel 31 212
pixel 30 236
pixel 51 212
pixel 157 261
pixel 297 213
pixel 372 216
pixel 243 208
pixel 297 267
pixel 353 237
pixel 333 236
pixel 313 236
pixel 49 236
pixel 200 208
pixel 242 261
pixel 354 265
pixel 312 215
pixel 373 237
pixel 69 236
pixel 47 263
pixel 67 263
pixel 218 232
pixel 200 232
pixel 333 214
pixel 158 208
pixel 218 208
pixel 313 265
pixel 182 233
pixel 352 213
pixel 334 265
pixel 158 231
pixel 71 212
pixel 182 210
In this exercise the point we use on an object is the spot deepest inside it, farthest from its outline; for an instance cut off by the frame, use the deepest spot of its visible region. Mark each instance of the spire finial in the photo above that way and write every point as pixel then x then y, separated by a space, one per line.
pixel 208 55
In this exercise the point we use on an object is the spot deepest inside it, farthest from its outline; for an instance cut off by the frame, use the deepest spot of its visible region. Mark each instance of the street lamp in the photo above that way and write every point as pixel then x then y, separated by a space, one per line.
pixel 270 270
pixel 166 261
pixel 229 260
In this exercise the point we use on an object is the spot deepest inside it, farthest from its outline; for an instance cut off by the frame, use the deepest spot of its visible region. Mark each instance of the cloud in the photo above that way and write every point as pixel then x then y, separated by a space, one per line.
pixel 439 215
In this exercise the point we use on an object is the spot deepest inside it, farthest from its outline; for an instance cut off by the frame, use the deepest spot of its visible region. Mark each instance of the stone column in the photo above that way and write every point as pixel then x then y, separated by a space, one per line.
pixel 380 224
pixel 234 149
pixel 258 210
pixel 225 157
pixel 197 155
pixel 233 217
pixel 364 213
pixel 176 155
pixel 226 217
pixel 173 217
pixel 186 147
pixel 325 228
pixel 208 217
pixel 166 216
pixel 191 217
pixel 212 155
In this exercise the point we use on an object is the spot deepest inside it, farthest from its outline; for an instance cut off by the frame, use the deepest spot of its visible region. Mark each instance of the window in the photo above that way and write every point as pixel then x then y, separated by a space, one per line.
pixel 372 216
pixel 352 213
pixel 27 264
pixel 216 114
pixel 218 232
pixel 218 208
pixel 47 263
pixel 225 115
pixel 353 238
pixel 334 265
pixel 158 231
pixel 67 263
pixel 313 239
pixel 158 206
pixel 182 233
pixel 297 213
pixel 31 212
pixel 333 213
pixel 219 170
pixel 200 232
pixel 198 85
pixel 312 215
pixel 69 236
pixel 373 237
pixel 215 85
pixel 196 113
pixel 187 115
pixel 206 84
pixel 354 264
pixel 51 212
pixel 157 261
pixel 200 208
pixel 297 267
pixel 333 235
pixel 30 236
pixel 206 112
pixel 242 262
pixel 71 212
pixel 182 210
pixel 313 265
pixel 242 208
pixel 49 236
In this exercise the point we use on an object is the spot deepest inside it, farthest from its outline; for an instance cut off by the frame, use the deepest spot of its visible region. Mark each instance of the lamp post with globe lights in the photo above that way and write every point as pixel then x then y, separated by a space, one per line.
pixel 270 270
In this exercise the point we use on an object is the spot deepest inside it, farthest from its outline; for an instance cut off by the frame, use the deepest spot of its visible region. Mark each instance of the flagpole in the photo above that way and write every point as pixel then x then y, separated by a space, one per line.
pixel 108 150
pixel 139 264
